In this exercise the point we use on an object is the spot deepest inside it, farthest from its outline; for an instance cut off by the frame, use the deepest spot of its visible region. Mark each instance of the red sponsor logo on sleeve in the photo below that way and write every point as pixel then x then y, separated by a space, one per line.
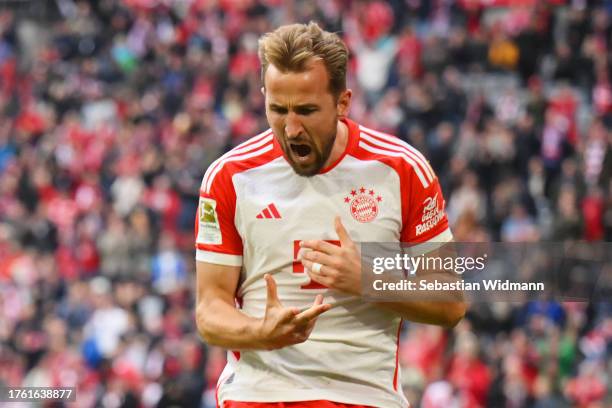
pixel 433 212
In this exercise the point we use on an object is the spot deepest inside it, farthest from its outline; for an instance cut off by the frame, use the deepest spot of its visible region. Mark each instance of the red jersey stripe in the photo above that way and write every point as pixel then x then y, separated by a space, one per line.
pixel 251 144
pixel 397 148
pixel 267 147
pixel 373 149
pixel 400 143
pixel 396 372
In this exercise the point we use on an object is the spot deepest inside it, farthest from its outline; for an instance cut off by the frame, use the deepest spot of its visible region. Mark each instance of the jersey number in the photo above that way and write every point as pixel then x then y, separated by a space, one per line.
pixel 299 268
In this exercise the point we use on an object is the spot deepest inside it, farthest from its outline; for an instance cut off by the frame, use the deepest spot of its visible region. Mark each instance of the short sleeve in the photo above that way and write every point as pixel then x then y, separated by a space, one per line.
pixel 425 218
pixel 216 237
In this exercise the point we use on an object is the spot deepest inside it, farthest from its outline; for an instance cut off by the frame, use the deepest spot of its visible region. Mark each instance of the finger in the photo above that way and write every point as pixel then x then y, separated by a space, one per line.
pixel 272 298
pixel 324 271
pixel 318 300
pixel 312 312
pixel 289 314
pixel 320 278
pixel 309 326
pixel 321 246
pixel 302 252
pixel 317 256
pixel 343 235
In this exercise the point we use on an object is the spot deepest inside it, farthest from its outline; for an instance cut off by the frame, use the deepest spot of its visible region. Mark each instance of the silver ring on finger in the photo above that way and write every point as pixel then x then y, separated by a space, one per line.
pixel 316 267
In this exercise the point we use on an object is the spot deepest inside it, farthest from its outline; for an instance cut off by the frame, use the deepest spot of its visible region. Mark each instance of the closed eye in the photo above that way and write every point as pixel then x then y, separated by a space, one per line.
pixel 305 111
pixel 278 109
pixel 299 110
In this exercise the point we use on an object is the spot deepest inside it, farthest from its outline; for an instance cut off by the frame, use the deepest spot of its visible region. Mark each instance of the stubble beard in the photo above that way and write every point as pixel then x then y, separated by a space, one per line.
pixel 321 157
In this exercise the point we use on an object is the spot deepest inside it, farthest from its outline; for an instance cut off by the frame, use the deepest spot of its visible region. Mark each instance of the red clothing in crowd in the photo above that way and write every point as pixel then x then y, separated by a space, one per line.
pixel 593 208
pixel 471 376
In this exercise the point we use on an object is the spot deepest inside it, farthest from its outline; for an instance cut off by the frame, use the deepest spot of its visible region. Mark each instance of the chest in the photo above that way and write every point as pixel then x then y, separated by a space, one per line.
pixel 277 207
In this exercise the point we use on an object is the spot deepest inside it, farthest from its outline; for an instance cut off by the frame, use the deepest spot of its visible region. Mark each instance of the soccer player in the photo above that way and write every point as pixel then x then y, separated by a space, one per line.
pixel 279 219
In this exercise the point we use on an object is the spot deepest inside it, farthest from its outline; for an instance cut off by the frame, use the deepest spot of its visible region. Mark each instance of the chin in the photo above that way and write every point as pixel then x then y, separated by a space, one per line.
pixel 307 171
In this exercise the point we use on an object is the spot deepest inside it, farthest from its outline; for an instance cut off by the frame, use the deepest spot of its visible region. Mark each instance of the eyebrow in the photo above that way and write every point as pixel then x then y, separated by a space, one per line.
pixel 303 106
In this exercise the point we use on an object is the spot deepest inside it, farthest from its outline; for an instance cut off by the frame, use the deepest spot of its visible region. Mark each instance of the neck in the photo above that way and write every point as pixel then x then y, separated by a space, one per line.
pixel 339 144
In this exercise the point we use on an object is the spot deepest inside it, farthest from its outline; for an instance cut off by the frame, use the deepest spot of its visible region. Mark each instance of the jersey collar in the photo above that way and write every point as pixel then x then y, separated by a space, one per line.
pixel 353 135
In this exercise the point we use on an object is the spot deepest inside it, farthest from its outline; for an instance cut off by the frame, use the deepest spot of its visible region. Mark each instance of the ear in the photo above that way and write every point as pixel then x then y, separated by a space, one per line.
pixel 344 103
pixel 263 91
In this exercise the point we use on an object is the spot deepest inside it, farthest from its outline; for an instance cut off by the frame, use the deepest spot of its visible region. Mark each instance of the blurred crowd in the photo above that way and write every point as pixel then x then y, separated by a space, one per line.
pixel 111 111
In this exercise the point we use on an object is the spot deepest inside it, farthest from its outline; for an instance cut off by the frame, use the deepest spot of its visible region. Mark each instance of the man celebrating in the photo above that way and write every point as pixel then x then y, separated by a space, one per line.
pixel 278 267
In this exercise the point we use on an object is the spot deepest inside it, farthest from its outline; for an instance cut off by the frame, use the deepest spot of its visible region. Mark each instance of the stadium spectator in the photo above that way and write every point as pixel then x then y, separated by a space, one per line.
pixel 99 95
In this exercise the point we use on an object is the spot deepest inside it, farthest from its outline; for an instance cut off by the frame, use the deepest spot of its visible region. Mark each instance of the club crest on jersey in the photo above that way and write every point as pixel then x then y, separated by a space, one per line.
pixel 363 204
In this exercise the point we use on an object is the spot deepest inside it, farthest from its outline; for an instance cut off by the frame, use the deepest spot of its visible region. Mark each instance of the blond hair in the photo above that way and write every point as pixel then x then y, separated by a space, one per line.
pixel 290 48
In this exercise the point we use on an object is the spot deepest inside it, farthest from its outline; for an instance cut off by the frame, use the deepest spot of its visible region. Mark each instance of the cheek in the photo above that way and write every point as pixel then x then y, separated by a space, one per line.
pixel 319 123
pixel 276 122
pixel 322 132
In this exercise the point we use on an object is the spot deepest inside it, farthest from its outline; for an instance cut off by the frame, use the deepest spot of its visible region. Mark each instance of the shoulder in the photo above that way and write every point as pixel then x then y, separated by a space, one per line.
pixel 255 152
pixel 394 152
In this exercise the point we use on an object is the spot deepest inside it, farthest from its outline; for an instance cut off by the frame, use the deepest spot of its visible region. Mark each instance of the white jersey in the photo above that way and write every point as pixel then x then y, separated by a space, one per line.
pixel 253 212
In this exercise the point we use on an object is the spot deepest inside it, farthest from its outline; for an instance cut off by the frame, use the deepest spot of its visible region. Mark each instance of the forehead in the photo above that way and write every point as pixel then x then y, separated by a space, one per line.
pixel 297 87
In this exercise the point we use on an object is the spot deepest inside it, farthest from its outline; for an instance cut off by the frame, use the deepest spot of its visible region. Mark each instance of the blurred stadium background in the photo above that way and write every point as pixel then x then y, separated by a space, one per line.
pixel 111 110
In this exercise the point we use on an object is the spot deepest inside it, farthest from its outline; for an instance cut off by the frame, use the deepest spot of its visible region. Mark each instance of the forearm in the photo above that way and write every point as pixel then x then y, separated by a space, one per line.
pixel 446 314
pixel 222 324
pixel 438 307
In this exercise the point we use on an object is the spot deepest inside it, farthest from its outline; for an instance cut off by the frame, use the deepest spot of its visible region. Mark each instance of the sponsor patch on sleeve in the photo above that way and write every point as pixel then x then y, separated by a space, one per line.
pixel 209 231
pixel 433 212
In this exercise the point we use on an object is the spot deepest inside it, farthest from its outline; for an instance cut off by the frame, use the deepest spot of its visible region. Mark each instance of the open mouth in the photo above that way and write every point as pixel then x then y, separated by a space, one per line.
pixel 301 150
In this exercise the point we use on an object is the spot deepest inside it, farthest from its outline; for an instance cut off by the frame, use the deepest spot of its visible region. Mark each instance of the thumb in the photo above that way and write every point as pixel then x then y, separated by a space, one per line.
pixel 272 298
pixel 343 234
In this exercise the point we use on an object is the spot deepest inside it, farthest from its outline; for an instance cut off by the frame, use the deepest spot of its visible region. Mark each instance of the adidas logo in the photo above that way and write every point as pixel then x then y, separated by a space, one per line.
pixel 269 212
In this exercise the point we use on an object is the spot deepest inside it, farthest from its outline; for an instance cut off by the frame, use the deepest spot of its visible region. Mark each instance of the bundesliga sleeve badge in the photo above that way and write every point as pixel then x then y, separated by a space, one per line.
pixel 363 204
pixel 209 231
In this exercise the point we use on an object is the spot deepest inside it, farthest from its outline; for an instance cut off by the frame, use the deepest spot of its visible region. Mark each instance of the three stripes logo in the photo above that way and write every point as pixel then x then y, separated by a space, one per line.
pixel 270 212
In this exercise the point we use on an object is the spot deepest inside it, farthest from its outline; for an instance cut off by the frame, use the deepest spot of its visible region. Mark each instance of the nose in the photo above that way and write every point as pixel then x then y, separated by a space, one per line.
pixel 293 126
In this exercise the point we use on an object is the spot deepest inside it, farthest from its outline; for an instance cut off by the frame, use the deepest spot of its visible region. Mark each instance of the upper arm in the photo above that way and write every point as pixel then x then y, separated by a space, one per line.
pixel 218 243
pixel 424 211
pixel 217 239
pixel 216 281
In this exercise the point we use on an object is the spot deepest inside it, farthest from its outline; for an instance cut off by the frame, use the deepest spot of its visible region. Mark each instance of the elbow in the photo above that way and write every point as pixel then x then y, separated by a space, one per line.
pixel 203 326
pixel 455 314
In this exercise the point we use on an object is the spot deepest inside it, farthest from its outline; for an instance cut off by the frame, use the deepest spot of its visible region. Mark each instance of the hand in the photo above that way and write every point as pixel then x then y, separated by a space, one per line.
pixel 283 326
pixel 340 265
